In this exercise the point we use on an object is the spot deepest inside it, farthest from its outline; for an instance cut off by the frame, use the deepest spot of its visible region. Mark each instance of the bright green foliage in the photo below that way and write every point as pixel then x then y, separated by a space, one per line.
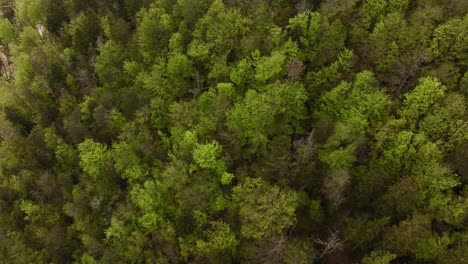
pixel 266 68
pixel 212 240
pixel 450 42
pixel 332 102
pixel 375 8
pixel 436 179
pixel 265 210
pixel 262 114
pixel 409 152
pixel 226 89
pixel 94 158
pixel 186 145
pixel 429 92
pixel 87 259
pixel 179 67
pixel 432 247
pixel 176 43
pixel 150 199
pixel 207 156
pixel 30 209
pixel 437 185
pixel 361 98
pixel 242 72
pixel 308 25
pixel 446 125
pixel 28 38
pixel 320 38
pixel 218 239
pixel 339 158
pixel 127 163
pixel 217 32
pixel 398 156
pixel 211 131
pixel 7 33
pixel 116 229
pixel 356 107
pixel 33 11
pixel 226 178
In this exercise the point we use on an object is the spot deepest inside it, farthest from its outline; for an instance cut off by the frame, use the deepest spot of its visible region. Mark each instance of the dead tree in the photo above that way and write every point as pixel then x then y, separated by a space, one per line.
pixel 332 244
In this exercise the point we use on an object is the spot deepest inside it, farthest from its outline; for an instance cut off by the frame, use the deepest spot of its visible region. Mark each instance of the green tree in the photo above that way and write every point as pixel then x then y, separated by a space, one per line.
pixel 450 42
pixel 212 41
pixel 109 64
pixel 375 8
pixel 414 237
pixel 33 12
pixel 379 257
pixel 264 210
pixel 420 100
pixel 269 67
pixel 279 109
pixel 94 158
pixel 83 32
pixel 155 26
pixel 358 108
pixel 7 31
pixel 207 156
pixel 320 39
pixel 219 239
pixel 127 162
pixel 150 199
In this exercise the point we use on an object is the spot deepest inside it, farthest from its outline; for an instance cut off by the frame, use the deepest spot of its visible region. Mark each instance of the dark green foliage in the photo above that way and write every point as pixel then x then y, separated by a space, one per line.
pixel 233 131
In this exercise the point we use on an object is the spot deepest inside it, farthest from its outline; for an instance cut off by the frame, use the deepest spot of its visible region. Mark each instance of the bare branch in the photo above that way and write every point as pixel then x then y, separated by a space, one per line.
pixel 332 244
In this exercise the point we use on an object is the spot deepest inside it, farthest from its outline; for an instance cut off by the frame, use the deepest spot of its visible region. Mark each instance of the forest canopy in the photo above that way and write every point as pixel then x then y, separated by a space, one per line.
pixel 234 131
